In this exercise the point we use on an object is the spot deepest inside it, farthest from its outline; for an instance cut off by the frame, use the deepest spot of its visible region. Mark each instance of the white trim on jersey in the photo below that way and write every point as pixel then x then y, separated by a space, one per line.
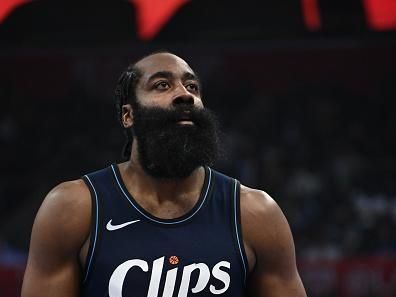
pixel 157 221
pixel 96 228
pixel 237 229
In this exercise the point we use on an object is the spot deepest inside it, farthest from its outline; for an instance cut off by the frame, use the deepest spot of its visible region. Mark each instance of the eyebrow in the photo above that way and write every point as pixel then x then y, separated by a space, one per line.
pixel 189 76
pixel 170 75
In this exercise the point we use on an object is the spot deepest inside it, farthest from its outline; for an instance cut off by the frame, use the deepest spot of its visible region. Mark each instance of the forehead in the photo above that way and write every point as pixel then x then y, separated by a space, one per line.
pixel 163 62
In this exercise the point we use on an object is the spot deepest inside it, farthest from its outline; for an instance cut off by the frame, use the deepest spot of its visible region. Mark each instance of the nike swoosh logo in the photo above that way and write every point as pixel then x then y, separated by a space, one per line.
pixel 112 227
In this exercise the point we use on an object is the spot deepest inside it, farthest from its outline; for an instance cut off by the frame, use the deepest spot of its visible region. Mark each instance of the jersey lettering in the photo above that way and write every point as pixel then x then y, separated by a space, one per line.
pixel 203 279
pixel 219 272
pixel 221 276
pixel 118 276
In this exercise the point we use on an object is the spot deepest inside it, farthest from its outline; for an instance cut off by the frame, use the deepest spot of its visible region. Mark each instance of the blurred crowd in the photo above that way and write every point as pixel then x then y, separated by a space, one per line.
pixel 327 157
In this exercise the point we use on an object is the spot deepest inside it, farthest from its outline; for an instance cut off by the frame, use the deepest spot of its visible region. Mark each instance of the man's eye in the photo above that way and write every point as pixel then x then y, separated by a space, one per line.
pixel 192 87
pixel 163 85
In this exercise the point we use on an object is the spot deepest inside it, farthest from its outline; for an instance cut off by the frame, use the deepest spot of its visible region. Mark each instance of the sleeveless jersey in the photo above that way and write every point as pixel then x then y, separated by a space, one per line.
pixel 135 254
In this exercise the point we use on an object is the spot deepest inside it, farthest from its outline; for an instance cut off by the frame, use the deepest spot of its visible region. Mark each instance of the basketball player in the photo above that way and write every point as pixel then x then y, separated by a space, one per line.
pixel 163 223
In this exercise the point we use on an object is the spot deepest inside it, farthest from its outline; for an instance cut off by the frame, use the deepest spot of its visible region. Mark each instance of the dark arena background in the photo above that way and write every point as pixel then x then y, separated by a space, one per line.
pixel 305 90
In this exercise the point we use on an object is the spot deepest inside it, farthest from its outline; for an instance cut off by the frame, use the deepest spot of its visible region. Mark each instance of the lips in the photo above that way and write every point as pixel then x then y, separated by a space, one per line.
pixel 185 122
pixel 185 118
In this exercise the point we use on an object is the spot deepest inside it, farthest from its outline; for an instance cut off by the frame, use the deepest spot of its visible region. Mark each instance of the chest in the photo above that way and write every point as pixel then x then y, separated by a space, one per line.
pixel 133 252
pixel 171 261
pixel 169 209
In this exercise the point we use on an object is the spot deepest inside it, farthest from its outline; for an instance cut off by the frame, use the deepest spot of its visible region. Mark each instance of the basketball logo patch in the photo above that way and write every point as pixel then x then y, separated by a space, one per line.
pixel 174 260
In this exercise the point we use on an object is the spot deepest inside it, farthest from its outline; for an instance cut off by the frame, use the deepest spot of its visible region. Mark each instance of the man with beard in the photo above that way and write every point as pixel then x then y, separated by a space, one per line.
pixel 163 223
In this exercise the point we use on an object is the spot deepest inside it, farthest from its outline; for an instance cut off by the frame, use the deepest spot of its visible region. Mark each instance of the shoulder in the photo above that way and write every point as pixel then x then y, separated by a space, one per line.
pixel 65 214
pixel 59 231
pixel 67 198
pixel 268 238
pixel 257 204
pixel 263 222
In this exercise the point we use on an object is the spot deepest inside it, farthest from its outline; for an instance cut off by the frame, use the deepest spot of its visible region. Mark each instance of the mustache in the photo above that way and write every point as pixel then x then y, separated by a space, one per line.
pixel 174 114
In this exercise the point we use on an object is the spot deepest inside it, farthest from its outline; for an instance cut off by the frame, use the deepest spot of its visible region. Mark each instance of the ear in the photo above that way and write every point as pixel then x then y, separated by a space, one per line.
pixel 127 116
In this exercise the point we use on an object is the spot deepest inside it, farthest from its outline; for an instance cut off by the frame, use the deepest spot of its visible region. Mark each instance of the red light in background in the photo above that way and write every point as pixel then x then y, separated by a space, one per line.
pixel 7 6
pixel 153 14
pixel 381 14
pixel 311 13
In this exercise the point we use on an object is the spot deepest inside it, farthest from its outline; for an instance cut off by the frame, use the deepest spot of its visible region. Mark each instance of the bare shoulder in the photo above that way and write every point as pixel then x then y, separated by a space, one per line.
pixel 263 222
pixel 59 231
pixel 67 201
pixel 254 196
pixel 258 205
pixel 65 214
pixel 267 235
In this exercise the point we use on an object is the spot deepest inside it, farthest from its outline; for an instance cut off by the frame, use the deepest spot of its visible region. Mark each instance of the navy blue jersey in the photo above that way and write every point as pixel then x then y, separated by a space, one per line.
pixel 135 254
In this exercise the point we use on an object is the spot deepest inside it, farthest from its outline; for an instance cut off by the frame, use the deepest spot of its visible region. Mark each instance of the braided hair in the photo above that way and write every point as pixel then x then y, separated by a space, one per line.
pixel 125 93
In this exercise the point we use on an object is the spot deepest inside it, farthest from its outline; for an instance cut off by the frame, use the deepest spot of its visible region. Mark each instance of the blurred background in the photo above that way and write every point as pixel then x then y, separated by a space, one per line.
pixel 305 91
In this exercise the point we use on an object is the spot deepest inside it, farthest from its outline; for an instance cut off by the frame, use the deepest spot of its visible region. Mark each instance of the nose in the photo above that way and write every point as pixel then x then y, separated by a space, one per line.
pixel 183 99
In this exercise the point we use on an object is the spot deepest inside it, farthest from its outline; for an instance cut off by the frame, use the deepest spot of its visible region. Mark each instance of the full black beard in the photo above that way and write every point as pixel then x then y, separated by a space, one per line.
pixel 170 150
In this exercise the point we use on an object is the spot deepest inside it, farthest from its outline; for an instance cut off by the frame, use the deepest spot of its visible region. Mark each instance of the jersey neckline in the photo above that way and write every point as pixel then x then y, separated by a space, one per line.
pixel 187 216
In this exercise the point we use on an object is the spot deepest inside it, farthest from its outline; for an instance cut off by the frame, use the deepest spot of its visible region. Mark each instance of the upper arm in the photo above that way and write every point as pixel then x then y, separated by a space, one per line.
pixel 61 227
pixel 267 233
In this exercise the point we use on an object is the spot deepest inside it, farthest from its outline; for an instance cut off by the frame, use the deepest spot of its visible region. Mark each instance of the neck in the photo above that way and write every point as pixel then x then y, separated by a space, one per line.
pixel 160 190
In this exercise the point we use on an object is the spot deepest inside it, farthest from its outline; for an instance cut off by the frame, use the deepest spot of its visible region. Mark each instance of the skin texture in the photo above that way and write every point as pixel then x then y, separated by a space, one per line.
pixel 61 231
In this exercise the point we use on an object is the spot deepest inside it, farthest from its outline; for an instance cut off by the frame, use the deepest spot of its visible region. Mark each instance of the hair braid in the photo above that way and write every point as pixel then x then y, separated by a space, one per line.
pixel 125 94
